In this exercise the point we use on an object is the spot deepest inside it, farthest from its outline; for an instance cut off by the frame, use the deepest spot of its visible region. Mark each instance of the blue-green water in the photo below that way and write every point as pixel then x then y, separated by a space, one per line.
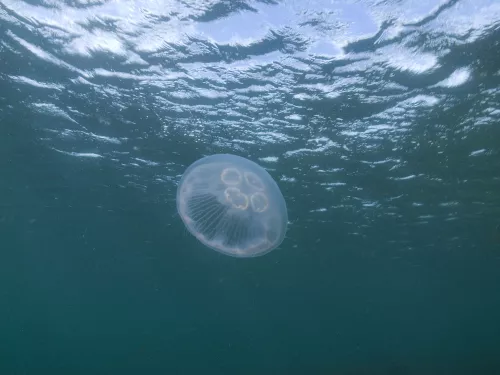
pixel 380 122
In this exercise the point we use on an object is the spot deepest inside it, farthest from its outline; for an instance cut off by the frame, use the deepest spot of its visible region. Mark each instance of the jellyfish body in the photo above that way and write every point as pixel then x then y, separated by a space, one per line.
pixel 232 205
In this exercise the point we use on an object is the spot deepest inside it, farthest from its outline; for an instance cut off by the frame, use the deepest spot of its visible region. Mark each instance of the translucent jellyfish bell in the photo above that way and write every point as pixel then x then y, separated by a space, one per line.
pixel 232 205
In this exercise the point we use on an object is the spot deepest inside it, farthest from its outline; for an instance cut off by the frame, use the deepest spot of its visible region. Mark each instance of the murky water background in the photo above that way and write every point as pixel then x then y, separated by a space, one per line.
pixel 379 120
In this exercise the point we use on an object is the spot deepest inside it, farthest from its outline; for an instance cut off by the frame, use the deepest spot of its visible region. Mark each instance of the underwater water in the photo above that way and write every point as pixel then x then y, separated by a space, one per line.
pixel 379 122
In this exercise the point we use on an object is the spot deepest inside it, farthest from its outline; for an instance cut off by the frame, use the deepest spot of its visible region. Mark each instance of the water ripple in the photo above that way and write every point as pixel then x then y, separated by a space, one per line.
pixel 367 110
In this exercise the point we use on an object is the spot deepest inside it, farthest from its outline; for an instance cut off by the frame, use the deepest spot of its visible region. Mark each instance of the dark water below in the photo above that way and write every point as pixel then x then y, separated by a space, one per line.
pixel 380 121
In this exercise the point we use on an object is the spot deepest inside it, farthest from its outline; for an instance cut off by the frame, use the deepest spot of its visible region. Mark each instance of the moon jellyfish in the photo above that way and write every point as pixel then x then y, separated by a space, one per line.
pixel 232 205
